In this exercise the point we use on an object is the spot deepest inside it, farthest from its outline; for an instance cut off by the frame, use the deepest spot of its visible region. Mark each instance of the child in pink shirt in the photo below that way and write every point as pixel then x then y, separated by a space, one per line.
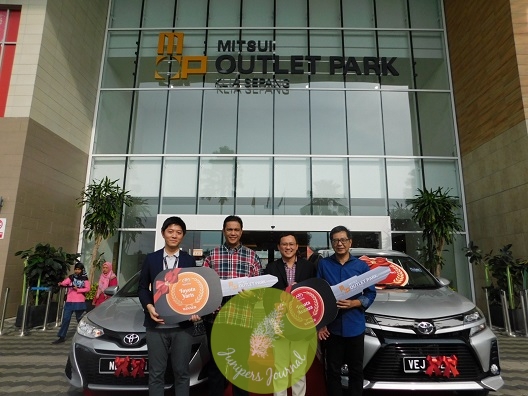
pixel 77 285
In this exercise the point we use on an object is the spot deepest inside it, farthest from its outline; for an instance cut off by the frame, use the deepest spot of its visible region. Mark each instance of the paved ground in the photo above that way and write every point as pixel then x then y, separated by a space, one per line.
pixel 30 365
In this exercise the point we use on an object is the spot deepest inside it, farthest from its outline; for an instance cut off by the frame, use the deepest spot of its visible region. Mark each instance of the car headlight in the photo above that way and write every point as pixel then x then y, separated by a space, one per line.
pixel 88 329
pixel 475 318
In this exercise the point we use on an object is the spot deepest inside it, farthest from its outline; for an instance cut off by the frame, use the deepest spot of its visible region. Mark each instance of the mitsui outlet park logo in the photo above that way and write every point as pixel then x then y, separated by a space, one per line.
pixel 246 57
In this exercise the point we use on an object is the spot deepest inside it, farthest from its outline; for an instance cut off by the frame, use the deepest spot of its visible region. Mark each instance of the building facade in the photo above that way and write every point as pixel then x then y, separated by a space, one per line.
pixel 296 115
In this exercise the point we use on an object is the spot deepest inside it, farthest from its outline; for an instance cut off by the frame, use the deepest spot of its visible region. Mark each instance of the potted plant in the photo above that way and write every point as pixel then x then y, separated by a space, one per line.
pixel 104 200
pixel 510 275
pixel 44 266
pixel 435 213
pixel 502 272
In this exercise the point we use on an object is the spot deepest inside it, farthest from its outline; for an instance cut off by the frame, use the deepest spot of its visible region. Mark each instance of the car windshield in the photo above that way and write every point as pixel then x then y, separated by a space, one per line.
pixel 130 289
pixel 419 277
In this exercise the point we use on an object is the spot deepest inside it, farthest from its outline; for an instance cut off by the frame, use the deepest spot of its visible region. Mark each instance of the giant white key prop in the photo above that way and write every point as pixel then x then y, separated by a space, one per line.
pixel 356 284
pixel 233 286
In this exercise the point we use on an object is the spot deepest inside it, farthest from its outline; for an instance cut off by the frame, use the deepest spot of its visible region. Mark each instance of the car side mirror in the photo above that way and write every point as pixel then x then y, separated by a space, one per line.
pixel 110 291
pixel 443 281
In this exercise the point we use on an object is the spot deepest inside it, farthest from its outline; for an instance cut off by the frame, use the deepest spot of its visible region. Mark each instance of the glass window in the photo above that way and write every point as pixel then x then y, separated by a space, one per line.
pixel 404 178
pixel 190 13
pixel 326 43
pixel 292 43
pixel 255 124
pixel 216 185
pixel 358 45
pixel 409 243
pixel 158 13
pixel 253 193
pixel 430 60
pixel 113 122
pixel 459 273
pixel 364 122
pixel 119 66
pixel 291 185
pixel 368 190
pixel 325 14
pixel 179 185
pixel 396 45
pixel 327 119
pixel 437 124
pixel 9 24
pixel 292 128
pixel 148 122
pixel 184 122
pixel 358 14
pixel 219 123
pixel 291 13
pixel 399 123
pixel 125 13
pixel 329 187
pixel 257 13
pixel 113 168
pixel 225 13
pixel 143 181
pixel 425 14
pixel 439 173
pixel 391 13
pixel 135 245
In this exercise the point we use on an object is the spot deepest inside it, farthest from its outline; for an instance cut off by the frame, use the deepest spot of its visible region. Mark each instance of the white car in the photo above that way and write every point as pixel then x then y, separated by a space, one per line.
pixel 424 336
pixel 109 350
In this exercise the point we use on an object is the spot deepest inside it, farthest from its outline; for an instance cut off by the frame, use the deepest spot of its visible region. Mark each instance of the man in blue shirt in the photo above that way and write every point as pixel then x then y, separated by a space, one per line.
pixel 343 337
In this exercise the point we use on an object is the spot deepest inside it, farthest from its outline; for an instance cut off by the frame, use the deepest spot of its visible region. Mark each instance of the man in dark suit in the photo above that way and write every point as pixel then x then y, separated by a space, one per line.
pixel 289 270
pixel 164 340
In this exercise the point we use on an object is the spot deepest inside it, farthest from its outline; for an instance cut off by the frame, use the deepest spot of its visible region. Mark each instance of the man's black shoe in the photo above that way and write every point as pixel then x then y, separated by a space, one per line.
pixel 59 340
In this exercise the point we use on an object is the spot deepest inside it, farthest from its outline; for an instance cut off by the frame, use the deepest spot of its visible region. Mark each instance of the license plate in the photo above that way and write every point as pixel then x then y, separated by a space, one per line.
pixel 414 364
pixel 108 365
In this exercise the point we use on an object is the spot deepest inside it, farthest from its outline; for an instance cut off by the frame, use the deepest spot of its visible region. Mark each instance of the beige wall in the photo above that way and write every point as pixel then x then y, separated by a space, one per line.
pixel 47 128
pixel 488 71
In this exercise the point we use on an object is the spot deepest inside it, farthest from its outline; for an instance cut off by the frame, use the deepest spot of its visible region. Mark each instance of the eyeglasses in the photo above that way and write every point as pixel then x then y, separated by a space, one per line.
pixel 342 240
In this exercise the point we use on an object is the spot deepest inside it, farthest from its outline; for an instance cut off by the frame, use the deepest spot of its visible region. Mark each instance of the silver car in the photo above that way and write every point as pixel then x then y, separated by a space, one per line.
pixel 109 351
pixel 424 336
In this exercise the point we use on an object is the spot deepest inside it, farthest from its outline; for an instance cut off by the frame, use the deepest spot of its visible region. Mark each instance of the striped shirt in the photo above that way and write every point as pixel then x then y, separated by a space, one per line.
pixel 235 263
pixel 290 273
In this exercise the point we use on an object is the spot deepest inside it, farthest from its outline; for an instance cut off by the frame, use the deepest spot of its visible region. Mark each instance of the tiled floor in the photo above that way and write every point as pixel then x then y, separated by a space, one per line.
pixel 31 365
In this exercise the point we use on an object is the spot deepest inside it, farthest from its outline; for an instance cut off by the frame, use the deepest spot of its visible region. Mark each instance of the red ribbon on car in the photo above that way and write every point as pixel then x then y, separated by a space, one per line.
pixel 434 366
pixel 450 363
pixel 122 366
pixel 138 368
pixel 162 287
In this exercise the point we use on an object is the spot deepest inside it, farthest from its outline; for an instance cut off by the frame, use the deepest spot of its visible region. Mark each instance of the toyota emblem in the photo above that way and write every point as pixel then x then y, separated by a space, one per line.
pixel 131 339
pixel 425 328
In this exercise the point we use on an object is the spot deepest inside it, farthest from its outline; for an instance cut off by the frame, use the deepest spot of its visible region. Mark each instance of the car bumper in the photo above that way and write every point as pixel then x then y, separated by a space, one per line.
pixel 82 368
pixel 475 357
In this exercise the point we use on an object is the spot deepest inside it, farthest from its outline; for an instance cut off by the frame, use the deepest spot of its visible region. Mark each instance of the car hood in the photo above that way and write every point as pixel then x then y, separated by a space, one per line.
pixel 119 314
pixel 420 304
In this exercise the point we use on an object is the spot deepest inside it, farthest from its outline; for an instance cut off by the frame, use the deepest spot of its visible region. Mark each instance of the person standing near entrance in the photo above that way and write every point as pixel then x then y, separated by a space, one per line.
pixel 166 340
pixel 343 337
pixel 78 285
pixel 231 260
pixel 289 270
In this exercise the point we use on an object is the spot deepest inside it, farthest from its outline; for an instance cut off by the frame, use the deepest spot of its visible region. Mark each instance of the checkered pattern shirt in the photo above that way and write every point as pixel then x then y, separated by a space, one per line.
pixel 290 273
pixel 235 263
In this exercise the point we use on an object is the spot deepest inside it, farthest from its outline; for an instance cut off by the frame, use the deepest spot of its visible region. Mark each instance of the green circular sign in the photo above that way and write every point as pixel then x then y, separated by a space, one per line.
pixel 272 349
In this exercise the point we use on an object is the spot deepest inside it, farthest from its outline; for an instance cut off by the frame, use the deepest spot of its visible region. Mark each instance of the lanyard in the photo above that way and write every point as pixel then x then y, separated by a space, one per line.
pixel 175 263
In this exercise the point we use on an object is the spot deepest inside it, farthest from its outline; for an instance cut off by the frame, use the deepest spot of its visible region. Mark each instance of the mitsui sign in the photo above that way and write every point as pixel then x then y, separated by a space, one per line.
pixel 242 57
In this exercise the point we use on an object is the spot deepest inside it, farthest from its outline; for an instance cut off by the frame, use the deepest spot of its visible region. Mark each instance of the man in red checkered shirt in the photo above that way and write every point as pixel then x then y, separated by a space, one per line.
pixel 232 260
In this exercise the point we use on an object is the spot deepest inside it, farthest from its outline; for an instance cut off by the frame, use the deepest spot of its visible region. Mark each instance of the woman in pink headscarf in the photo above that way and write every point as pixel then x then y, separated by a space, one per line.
pixel 107 279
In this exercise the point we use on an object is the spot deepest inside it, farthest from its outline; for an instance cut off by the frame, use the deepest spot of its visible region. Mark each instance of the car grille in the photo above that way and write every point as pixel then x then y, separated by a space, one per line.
pixel 387 363
pixel 89 367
